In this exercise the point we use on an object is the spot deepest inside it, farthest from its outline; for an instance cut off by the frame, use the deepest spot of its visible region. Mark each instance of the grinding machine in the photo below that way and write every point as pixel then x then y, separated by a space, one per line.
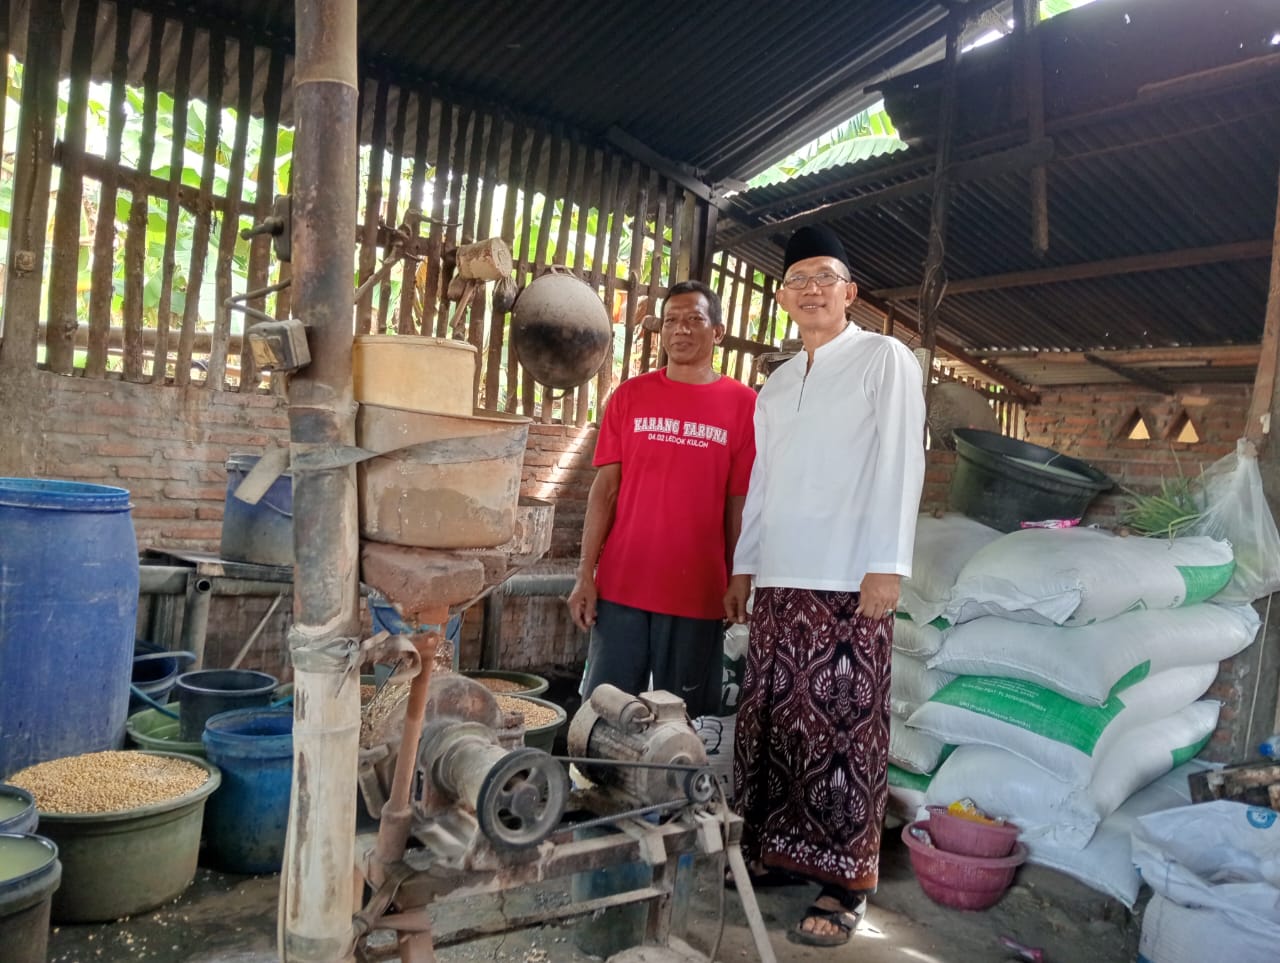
pixel 486 815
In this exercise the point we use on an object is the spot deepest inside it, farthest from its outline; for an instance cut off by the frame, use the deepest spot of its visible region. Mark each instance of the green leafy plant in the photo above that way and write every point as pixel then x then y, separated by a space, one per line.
pixel 1167 513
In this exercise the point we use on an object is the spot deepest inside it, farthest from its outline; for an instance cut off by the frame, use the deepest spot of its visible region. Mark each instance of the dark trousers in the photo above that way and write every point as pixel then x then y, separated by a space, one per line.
pixel 684 656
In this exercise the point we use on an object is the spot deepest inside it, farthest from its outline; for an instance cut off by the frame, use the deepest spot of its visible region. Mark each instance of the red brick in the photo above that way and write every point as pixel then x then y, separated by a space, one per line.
pixel 209 532
pixel 124 449
pixel 145 470
pixel 161 510
pixel 196 492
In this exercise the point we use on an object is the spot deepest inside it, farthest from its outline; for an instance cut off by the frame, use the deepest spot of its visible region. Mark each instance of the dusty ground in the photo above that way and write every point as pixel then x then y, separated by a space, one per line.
pixel 231 919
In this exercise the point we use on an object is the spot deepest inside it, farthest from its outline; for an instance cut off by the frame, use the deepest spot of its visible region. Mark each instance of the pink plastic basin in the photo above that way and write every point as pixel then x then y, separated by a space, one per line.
pixel 968 838
pixel 961 882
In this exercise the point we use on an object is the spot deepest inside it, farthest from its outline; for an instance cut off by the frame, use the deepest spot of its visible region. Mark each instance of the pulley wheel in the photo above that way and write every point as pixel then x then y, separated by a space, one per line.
pixel 522 799
pixel 700 785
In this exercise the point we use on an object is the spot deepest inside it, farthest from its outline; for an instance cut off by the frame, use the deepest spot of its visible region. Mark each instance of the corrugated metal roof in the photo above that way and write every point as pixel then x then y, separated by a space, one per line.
pixel 1159 176
pixel 722 87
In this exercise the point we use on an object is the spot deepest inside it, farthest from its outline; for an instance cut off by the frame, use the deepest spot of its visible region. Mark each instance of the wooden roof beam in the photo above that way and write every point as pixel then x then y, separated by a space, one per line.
pixel 1210 356
pixel 1135 375
pixel 948 347
pixel 1163 261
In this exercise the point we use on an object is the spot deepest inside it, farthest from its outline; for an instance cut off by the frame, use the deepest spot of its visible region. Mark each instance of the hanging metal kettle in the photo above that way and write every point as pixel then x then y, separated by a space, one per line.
pixel 560 330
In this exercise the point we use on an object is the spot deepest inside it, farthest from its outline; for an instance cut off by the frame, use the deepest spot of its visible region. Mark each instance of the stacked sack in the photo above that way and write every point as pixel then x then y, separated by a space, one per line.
pixel 1078 657
pixel 943 546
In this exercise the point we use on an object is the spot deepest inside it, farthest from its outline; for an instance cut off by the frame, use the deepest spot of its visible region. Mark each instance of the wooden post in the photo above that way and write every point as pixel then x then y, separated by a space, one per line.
pixel 1265 400
pixel 393 203
pixel 935 277
pixel 1027 17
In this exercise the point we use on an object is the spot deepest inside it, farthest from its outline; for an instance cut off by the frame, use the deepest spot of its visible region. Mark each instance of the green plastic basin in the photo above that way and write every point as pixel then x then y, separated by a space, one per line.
pixel 151 729
pixel 120 863
pixel 531 685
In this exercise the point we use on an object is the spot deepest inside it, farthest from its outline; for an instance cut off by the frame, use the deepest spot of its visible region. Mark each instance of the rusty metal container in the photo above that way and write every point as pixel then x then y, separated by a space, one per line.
pixel 560 330
pixel 422 374
pixel 442 481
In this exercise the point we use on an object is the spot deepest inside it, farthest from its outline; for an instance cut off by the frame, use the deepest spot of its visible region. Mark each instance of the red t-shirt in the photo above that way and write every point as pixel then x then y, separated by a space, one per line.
pixel 684 449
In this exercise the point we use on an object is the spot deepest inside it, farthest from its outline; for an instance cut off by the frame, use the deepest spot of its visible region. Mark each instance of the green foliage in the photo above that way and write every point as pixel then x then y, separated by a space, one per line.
pixel 866 135
pixel 1169 513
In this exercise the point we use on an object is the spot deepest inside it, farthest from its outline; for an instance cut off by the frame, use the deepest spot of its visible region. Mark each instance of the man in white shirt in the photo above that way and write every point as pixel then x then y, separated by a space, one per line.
pixel 827 534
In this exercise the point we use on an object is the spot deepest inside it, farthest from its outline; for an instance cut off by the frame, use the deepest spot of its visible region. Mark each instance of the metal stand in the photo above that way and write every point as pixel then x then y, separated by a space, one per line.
pixel 483 882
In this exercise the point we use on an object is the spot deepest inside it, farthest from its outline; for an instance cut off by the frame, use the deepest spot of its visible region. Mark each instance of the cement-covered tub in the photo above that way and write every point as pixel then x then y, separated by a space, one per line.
pixel 442 481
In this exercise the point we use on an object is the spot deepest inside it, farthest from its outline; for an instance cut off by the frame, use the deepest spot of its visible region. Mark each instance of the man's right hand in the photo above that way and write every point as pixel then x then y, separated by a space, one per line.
pixel 735 599
pixel 582 602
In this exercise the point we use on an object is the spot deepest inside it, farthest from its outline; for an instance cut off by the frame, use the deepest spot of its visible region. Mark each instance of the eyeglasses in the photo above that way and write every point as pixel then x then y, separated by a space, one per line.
pixel 798 282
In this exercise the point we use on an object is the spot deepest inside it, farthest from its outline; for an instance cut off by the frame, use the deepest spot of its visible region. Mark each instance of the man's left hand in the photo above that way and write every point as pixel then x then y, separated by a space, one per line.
pixel 878 595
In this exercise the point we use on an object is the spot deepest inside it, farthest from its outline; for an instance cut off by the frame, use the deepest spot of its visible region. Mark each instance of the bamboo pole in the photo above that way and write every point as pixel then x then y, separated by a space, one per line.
pixel 318 880
pixel 33 167
pixel 135 244
pixel 436 226
pixel 64 268
pixel 607 268
pixel 164 310
pixel 451 233
pixel 372 205
pixel 405 321
pixel 526 264
pixel 260 244
pixel 393 204
pixel 104 234
pixel 641 207
pixel 204 213
pixel 230 232
pixel 515 177
pixel 730 281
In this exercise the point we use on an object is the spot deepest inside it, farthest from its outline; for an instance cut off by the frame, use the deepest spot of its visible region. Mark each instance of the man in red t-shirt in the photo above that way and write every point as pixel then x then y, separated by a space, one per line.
pixel 674 456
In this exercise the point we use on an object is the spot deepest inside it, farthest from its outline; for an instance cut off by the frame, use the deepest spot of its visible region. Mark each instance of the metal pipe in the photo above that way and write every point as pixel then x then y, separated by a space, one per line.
pixel 195 621
pixel 318 893
pixel 162 579
pixel 397 814
pixel 538 585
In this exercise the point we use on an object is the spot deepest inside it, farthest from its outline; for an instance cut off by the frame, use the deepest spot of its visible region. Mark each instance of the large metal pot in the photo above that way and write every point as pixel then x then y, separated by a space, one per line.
pixel 560 330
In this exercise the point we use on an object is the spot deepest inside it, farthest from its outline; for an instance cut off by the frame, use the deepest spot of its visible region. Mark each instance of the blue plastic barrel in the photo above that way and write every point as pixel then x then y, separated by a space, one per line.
pixel 245 820
pixel 68 610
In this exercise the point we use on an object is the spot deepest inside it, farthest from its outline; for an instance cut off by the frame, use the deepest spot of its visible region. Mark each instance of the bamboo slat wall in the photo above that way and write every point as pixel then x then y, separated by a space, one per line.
pixel 153 187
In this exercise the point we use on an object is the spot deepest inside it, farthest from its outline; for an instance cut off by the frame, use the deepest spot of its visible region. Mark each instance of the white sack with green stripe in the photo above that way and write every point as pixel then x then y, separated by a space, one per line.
pixel 1086 663
pixel 913 684
pixel 920 639
pixel 913 750
pixel 1046 807
pixel 942 548
pixel 1059 735
pixel 1078 576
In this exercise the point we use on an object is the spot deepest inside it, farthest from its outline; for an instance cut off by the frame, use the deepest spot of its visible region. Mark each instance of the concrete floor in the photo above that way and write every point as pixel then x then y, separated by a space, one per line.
pixel 231 919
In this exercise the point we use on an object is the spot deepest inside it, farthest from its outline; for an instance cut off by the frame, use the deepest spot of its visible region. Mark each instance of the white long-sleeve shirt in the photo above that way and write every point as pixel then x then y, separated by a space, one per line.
pixel 839 467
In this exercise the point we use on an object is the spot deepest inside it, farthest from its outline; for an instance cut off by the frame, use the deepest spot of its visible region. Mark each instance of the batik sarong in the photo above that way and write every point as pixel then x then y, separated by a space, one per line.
pixel 812 739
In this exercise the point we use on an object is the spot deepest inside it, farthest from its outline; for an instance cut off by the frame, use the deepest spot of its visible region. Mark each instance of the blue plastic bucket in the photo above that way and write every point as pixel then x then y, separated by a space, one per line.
pixel 245 821
pixel 261 533
pixel 68 610
pixel 155 670
pixel 29 874
pixel 18 812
